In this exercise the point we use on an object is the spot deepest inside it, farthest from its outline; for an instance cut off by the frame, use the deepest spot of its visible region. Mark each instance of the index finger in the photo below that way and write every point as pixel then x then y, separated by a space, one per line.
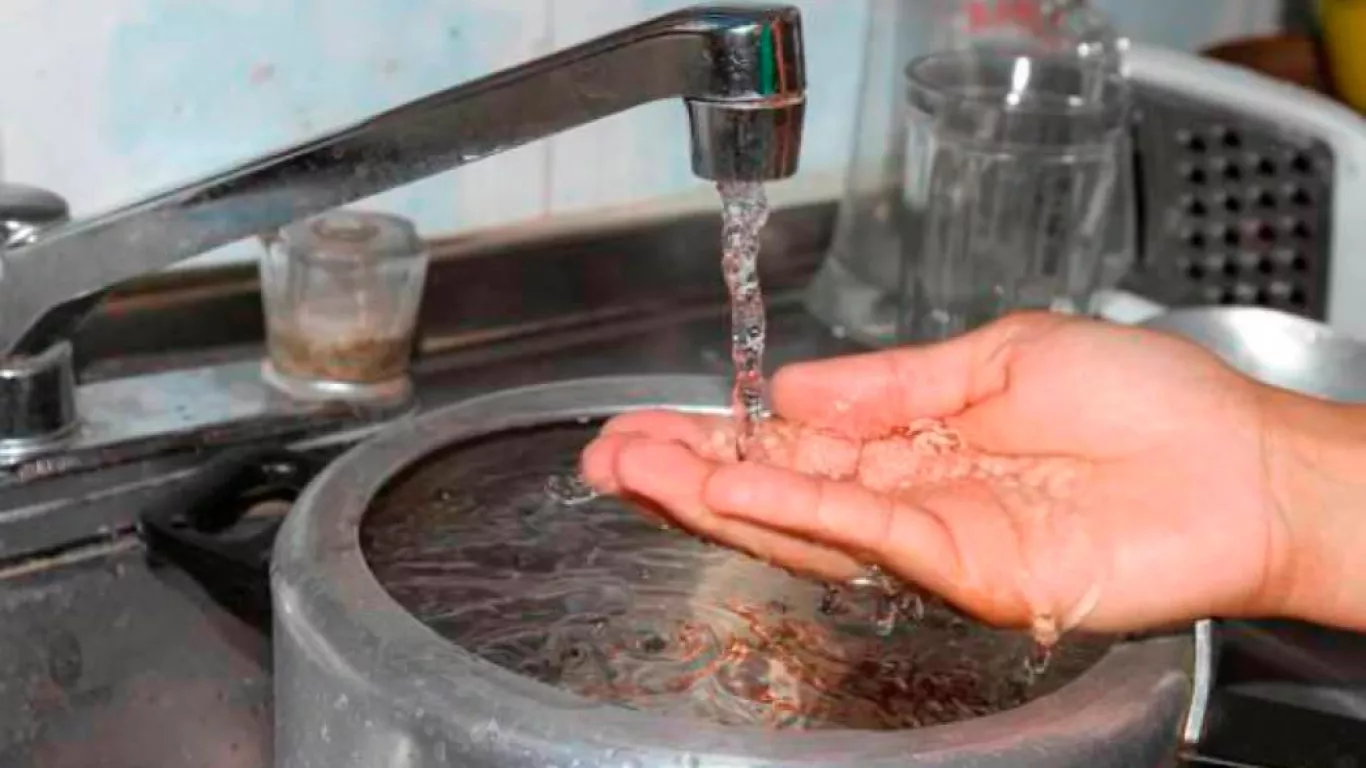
pixel 872 394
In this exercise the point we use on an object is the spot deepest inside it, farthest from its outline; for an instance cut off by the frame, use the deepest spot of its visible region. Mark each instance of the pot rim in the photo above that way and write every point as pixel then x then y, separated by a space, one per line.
pixel 335 611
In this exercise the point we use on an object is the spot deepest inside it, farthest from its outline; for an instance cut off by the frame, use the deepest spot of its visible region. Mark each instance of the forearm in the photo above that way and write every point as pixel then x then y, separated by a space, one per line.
pixel 1316 466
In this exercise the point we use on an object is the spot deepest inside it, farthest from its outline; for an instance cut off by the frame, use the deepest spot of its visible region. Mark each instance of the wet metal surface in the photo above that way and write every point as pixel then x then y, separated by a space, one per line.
pixel 208 390
pixel 359 683
pixel 502 308
pixel 106 662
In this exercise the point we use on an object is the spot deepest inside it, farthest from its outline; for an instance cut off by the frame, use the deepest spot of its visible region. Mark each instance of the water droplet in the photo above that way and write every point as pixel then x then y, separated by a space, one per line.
pixel 1036 664
pixel 911 606
pixel 569 490
pixel 874 578
pixel 487 732
pixel 886 617
pixel 831 603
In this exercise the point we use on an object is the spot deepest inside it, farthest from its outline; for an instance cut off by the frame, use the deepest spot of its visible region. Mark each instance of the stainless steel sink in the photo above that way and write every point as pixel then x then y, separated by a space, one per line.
pixel 105 660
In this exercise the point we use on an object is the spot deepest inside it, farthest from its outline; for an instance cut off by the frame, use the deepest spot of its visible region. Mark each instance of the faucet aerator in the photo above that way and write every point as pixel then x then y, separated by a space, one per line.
pixel 746 140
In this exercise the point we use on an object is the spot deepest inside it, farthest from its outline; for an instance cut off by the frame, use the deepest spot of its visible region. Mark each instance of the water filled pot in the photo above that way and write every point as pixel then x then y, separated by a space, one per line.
pixel 421 620
pixel 1276 348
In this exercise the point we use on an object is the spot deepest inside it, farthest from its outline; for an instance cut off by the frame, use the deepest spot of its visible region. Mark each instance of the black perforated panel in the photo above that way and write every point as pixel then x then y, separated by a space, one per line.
pixel 1236 210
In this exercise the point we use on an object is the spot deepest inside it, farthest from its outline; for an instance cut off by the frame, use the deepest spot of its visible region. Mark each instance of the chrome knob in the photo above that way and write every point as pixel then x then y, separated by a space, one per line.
pixel 25 211
pixel 37 392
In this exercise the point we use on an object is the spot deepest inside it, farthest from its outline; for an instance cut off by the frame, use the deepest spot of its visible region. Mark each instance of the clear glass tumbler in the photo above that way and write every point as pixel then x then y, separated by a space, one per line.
pixel 858 290
pixel 1012 162
pixel 341 294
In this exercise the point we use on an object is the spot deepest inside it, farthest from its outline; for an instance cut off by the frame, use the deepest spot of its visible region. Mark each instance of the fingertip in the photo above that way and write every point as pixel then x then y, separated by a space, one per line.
pixel 625 423
pixel 657 468
pixel 661 471
pixel 648 422
pixel 622 424
pixel 668 478
pixel 692 430
pixel 597 463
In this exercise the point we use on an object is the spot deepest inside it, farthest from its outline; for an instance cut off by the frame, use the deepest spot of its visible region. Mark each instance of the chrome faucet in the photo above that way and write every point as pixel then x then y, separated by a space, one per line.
pixel 739 70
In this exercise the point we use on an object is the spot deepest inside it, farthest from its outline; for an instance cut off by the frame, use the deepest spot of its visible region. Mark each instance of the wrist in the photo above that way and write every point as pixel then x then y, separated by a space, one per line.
pixel 1315 461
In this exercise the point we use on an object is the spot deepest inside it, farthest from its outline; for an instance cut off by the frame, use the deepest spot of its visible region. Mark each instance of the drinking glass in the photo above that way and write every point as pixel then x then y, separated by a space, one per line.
pixel 1013 160
pixel 341 294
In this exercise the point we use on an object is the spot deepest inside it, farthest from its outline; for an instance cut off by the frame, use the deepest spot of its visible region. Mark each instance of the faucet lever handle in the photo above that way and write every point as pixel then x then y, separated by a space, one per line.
pixel 25 211
pixel 37 392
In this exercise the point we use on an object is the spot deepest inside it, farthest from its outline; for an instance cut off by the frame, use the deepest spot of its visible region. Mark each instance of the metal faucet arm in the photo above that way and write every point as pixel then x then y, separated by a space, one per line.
pixel 740 69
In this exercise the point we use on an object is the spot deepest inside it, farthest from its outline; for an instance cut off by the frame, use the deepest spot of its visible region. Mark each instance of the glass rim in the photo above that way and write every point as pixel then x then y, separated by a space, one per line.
pixel 1113 99
pixel 377 238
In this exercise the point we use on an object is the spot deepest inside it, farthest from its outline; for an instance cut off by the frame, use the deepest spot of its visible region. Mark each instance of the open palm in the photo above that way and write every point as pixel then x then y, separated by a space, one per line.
pixel 1109 478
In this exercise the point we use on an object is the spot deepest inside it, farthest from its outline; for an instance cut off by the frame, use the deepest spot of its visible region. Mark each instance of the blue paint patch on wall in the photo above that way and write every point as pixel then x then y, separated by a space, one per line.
pixel 196 86
pixel 834 70
pixel 193 85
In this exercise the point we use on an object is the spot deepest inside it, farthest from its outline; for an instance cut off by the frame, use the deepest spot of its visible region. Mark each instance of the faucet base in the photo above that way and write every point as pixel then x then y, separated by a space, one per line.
pixel 15 451
pixel 124 420
pixel 37 403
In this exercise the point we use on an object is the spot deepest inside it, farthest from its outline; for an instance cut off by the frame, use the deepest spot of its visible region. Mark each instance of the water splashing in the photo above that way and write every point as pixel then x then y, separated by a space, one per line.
pixel 744 211
pixel 569 490
pixel 896 603
pixel 597 600
pixel 1036 664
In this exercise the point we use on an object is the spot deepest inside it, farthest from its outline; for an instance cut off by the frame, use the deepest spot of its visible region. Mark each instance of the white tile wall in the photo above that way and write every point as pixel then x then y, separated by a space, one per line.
pixel 105 101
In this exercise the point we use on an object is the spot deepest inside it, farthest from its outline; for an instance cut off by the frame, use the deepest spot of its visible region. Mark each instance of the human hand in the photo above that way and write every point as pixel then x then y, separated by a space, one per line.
pixel 1112 478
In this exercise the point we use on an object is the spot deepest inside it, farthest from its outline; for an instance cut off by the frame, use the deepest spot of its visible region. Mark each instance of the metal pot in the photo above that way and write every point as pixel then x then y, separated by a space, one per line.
pixel 1276 348
pixel 1311 358
pixel 361 682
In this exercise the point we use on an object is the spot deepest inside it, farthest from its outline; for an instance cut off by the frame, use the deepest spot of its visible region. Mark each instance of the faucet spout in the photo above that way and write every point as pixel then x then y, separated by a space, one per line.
pixel 750 126
pixel 745 142
pixel 740 71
